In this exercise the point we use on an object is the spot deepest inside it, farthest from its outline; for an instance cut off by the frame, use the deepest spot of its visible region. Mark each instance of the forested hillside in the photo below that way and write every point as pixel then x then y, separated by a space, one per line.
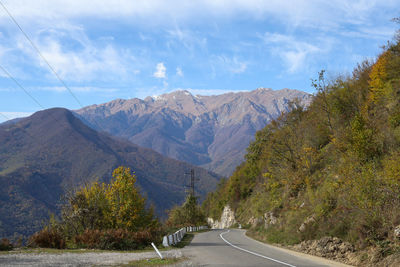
pixel 330 169
pixel 52 153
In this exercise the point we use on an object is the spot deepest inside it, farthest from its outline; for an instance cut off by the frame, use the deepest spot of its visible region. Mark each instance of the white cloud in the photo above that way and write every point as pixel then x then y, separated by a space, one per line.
pixel 7 115
pixel 7 89
pixel 295 54
pixel 365 32
pixel 239 67
pixel 229 64
pixel 93 60
pixel 293 12
pixel 81 89
pixel 201 92
pixel 179 72
pixel 89 63
pixel 71 54
pixel 189 39
pixel 160 72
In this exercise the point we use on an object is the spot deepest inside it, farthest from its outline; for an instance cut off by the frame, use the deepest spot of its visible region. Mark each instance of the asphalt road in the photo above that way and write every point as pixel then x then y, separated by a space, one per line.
pixel 233 248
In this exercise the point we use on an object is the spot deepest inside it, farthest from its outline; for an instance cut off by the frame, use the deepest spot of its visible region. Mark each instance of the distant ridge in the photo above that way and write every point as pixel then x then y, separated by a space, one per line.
pixel 208 131
pixel 52 150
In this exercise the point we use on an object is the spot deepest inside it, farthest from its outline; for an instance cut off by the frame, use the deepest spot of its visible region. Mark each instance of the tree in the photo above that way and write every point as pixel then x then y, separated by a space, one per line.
pixel 118 205
pixel 127 206
pixel 187 214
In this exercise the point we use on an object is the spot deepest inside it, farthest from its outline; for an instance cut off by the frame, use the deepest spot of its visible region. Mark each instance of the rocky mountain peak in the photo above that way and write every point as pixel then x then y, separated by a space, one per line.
pixel 210 131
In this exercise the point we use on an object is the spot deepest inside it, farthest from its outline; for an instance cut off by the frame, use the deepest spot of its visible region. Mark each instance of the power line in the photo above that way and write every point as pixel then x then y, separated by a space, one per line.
pixel 4 116
pixel 48 64
pixel 20 86
pixel 34 99
pixel 40 54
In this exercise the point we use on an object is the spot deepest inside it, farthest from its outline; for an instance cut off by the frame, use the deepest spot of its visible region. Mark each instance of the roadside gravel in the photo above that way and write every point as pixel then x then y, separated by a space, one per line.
pixel 80 259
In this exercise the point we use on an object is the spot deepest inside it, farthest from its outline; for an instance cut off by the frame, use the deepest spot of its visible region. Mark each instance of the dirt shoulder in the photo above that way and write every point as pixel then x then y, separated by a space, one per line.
pixel 321 260
pixel 80 259
pixel 335 252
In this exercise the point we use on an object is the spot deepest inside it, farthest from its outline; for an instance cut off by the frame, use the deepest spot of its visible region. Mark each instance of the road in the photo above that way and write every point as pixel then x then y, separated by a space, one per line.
pixel 233 248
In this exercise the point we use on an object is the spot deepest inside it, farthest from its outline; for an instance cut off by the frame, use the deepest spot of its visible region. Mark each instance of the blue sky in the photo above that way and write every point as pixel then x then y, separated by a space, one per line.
pixel 128 48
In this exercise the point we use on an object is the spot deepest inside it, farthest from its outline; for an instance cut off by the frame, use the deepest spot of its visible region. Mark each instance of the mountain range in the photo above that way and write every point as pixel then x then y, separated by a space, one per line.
pixel 52 152
pixel 208 131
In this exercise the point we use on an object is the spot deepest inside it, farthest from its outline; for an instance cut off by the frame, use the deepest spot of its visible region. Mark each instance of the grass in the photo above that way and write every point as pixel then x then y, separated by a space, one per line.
pixel 154 262
pixel 273 236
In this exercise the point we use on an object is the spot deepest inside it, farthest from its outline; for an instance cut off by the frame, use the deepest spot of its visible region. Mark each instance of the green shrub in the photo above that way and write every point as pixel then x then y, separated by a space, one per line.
pixel 186 215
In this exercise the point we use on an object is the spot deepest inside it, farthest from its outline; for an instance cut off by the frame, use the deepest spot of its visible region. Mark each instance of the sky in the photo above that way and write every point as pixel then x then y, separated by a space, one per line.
pixel 102 50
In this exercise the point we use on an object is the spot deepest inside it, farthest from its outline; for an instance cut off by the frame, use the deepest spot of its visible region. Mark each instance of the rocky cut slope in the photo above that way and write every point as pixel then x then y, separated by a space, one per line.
pixel 208 131
pixel 52 151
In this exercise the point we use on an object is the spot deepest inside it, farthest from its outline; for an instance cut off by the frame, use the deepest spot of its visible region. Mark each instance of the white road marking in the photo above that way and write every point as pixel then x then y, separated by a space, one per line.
pixel 253 253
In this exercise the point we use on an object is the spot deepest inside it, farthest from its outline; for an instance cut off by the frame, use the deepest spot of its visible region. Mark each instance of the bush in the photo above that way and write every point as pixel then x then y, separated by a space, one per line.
pixel 118 205
pixel 49 237
pixel 102 216
pixel 186 215
pixel 118 239
pixel 5 244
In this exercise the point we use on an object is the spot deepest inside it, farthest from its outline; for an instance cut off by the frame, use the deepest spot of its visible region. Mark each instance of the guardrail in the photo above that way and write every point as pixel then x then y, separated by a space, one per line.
pixel 176 237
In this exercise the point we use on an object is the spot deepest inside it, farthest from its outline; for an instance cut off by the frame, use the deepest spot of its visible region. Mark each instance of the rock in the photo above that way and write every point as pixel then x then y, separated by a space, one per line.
pixel 253 221
pixel 269 219
pixel 213 224
pixel 227 219
pixel 327 247
pixel 397 231
pixel 309 220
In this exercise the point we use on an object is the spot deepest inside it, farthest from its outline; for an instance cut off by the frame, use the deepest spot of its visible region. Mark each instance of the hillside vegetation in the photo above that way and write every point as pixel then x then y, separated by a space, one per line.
pixel 103 216
pixel 330 169
pixel 52 152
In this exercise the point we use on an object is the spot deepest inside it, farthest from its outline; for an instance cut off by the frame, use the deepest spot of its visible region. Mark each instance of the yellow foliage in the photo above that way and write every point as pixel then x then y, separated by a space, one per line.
pixel 391 170
pixel 117 205
pixel 378 78
pixel 127 206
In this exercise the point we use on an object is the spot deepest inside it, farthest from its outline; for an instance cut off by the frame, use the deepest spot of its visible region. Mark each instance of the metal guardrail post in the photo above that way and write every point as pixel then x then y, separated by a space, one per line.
pixel 176 237
pixel 165 241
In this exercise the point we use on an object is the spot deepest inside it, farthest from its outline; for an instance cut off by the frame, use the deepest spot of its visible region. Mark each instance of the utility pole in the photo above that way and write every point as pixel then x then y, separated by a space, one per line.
pixel 191 203
pixel 192 182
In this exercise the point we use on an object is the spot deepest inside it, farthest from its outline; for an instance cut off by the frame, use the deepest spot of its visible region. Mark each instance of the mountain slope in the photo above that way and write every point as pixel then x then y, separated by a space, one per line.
pixel 52 151
pixel 330 170
pixel 209 131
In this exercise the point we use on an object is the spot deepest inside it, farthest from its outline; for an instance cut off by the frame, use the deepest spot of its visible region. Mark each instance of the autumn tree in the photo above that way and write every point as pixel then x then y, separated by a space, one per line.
pixel 127 208
pixel 118 205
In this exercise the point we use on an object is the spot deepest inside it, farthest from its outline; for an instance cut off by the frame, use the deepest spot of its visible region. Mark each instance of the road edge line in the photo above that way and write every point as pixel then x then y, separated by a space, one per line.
pixel 315 258
pixel 251 252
